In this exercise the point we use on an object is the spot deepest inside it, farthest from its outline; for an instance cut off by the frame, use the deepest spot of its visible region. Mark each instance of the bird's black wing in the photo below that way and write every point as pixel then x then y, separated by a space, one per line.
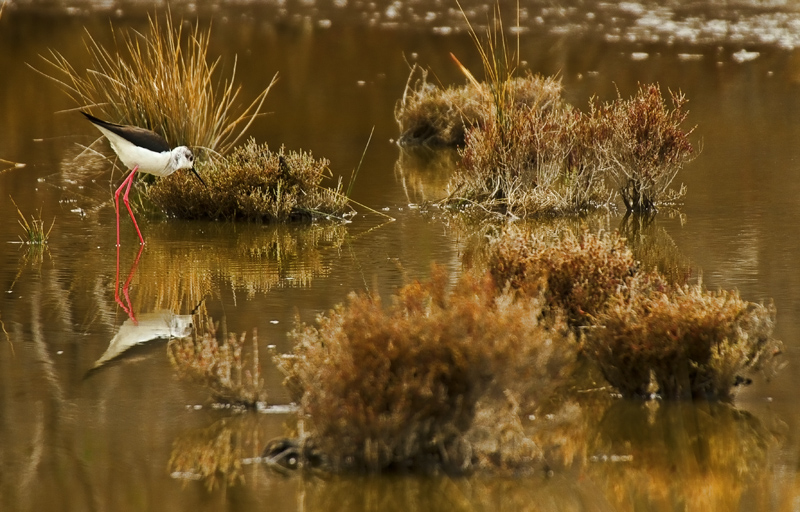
pixel 138 136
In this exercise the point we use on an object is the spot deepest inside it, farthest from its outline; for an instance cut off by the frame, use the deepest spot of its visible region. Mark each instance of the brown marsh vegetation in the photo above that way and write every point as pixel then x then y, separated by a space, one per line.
pixel 526 152
pixel 436 380
pixel 547 157
pixel 222 367
pixel 163 80
pixel 639 328
pixel 253 183
pixel 440 117
pixel 443 378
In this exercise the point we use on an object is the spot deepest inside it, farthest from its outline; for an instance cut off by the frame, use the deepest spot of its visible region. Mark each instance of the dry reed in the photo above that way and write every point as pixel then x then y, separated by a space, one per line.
pixel 162 80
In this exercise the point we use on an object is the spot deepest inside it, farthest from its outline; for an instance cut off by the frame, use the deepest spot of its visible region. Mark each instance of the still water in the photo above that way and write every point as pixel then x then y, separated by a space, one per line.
pixel 78 432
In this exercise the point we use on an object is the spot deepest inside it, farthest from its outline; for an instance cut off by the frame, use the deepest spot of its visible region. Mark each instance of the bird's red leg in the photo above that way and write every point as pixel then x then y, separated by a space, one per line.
pixel 116 199
pixel 128 206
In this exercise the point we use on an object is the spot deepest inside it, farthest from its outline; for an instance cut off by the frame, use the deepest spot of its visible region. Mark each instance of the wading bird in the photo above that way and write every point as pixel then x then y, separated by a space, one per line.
pixel 144 151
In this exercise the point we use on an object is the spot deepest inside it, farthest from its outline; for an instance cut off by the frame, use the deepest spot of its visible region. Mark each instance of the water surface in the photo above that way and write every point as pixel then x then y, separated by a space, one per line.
pixel 121 436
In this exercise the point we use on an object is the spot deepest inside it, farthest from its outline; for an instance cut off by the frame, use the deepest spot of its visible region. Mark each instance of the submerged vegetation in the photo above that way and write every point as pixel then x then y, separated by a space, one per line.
pixel 253 183
pixel 34 231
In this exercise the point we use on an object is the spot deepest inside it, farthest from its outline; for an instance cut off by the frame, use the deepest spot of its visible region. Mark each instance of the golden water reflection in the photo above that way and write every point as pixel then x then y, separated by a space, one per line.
pixel 424 174
pixel 694 456
pixel 635 455
pixel 179 270
pixel 214 454
pixel 104 443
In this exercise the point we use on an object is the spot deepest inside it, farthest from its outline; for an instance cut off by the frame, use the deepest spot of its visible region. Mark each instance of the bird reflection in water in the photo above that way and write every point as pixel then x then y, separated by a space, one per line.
pixel 135 331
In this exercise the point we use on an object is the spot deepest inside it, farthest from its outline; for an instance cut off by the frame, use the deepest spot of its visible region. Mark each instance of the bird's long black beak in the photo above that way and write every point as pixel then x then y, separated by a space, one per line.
pixel 198 177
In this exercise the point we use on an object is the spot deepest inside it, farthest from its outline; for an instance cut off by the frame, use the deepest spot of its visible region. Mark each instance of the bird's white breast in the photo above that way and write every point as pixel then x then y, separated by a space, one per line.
pixel 149 162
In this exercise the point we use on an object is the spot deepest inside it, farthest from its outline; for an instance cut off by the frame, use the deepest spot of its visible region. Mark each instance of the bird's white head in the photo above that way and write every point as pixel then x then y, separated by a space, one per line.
pixel 181 158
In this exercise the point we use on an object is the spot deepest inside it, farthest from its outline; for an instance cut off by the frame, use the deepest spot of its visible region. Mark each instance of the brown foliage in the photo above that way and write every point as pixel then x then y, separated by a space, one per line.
pixel 433 116
pixel 693 342
pixel 575 273
pixel 526 152
pixel 556 161
pixel 534 163
pixel 252 183
pixel 646 146
pixel 222 368
pixel 401 386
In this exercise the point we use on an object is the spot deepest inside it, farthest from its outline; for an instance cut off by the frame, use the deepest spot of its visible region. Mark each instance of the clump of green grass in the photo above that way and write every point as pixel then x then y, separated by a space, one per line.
pixel 162 80
pixel 635 325
pixel 34 231
pixel 408 386
pixel 253 183
pixel 221 367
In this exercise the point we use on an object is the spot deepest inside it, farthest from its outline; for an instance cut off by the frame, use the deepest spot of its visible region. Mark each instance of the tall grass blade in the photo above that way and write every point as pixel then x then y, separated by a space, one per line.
pixel 354 174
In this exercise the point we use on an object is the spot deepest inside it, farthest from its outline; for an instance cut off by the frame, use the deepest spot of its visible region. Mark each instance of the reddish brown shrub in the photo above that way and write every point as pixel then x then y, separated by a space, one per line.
pixel 398 387
pixel 646 146
pixel 574 273
pixel 693 342
pixel 638 327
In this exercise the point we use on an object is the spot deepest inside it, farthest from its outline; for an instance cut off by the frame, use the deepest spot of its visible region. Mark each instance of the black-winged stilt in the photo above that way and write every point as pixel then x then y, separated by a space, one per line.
pixel 144 151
